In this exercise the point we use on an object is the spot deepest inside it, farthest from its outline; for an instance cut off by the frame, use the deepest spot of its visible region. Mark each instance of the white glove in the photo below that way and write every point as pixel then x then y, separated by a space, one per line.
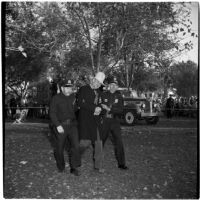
pixel 60 129
pixel 97 110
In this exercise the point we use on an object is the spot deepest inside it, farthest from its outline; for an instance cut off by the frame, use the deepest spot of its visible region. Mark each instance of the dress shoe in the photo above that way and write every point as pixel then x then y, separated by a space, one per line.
pixel 75 172
pixel 124 167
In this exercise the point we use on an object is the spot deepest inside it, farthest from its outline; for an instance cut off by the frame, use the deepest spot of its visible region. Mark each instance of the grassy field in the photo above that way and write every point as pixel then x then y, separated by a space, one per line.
pixel 162 164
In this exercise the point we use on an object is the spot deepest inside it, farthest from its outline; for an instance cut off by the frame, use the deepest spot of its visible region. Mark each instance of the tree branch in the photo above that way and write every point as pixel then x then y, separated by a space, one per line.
pixel 86 29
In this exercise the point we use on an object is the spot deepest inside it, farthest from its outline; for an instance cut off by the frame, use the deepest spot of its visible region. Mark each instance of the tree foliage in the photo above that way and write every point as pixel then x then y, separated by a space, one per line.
pixel 20 71
pixel 78 38
pixel 185 78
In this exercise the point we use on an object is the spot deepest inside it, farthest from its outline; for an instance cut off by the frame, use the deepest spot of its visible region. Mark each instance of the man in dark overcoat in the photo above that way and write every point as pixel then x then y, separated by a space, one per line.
pixel 170 106
pixel 62 115
pixel 112 104
pixel 88 118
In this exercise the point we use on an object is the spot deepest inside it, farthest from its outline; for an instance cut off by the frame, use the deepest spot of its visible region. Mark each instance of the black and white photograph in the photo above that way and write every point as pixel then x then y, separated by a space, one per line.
pixel 100 100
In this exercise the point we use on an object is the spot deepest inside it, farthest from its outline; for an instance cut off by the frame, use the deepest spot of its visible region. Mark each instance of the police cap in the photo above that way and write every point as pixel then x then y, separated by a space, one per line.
pixel 66 83
pixel 113 80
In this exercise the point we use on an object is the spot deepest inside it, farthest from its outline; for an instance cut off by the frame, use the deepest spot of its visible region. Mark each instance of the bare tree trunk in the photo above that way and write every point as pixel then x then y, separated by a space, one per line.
pixel 87 31
pixel 90 45
pixel 92 59
pixel 99 53
pixel 131 76
pixel 127 76
pixel 126 71
pixel 165 91
pixel 99 43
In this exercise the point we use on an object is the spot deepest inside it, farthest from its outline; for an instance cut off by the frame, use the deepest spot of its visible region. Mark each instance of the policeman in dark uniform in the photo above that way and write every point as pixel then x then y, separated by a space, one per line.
pixel 170 106
pixel 112 103
pixel 62 115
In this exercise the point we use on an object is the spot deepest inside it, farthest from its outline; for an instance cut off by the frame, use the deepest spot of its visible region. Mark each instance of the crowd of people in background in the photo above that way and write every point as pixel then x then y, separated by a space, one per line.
pixel 13 107
pixel 177 106
pixel 171 107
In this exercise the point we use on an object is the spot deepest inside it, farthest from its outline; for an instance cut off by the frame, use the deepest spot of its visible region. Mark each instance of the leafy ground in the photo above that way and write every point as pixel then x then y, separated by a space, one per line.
pixel 162 164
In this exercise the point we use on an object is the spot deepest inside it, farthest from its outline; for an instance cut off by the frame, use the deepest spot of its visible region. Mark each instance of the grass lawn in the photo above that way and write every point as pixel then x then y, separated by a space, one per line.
pixel 162 164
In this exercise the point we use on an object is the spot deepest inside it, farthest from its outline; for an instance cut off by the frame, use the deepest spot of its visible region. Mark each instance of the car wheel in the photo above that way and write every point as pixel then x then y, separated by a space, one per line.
pixel 129 118
pixel 152 120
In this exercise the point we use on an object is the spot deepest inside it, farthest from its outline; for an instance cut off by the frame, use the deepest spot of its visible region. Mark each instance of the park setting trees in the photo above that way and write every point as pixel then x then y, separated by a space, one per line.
pixel 45 40
pixel 137 42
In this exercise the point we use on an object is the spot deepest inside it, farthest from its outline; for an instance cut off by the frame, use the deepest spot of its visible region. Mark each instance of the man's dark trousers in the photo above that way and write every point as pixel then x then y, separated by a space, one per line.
pixel 113 126
pixel 70 137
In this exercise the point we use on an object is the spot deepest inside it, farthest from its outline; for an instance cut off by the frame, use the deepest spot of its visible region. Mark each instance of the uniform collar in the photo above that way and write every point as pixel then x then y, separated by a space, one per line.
pixel 65 95
pixel 113 93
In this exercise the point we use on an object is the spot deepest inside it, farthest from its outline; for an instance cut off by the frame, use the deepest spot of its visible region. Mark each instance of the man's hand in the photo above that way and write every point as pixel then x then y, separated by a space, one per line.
pixel 97 110
pixel 105 107
pixel 60 129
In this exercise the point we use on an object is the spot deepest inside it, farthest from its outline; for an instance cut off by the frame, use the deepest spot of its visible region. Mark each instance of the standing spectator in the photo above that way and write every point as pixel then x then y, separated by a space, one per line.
pixel 181 106
pixel 13 106
pixel 193 107
pixel 176 107
pixel 46 111
pixel 88 116
pixel 30 108
pixel 158 105
pixel 64 124
pixel 196 106
pixel 43 111
pixel 190 106
pixel 191 100
pixel 186 107
pixel 169 106
pixel 35 109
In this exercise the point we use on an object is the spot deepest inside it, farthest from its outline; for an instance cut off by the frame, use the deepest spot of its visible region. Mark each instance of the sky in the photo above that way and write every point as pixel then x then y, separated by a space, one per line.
pixel 192 54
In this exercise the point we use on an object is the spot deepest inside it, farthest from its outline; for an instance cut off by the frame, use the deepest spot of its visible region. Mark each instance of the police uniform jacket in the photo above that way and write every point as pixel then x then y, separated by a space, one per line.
pixel 62 108
pixel 87 102
pixel 114 101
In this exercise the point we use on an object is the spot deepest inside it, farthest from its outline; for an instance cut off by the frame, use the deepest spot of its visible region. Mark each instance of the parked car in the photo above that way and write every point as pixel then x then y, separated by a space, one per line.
pixel 139 109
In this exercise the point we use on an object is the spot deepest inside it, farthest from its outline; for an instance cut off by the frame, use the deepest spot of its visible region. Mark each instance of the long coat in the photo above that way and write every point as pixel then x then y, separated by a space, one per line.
pixel 87 102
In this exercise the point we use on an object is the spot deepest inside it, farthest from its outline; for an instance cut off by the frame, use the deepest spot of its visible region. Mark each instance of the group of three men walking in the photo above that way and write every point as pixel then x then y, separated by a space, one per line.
pixel 96 111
